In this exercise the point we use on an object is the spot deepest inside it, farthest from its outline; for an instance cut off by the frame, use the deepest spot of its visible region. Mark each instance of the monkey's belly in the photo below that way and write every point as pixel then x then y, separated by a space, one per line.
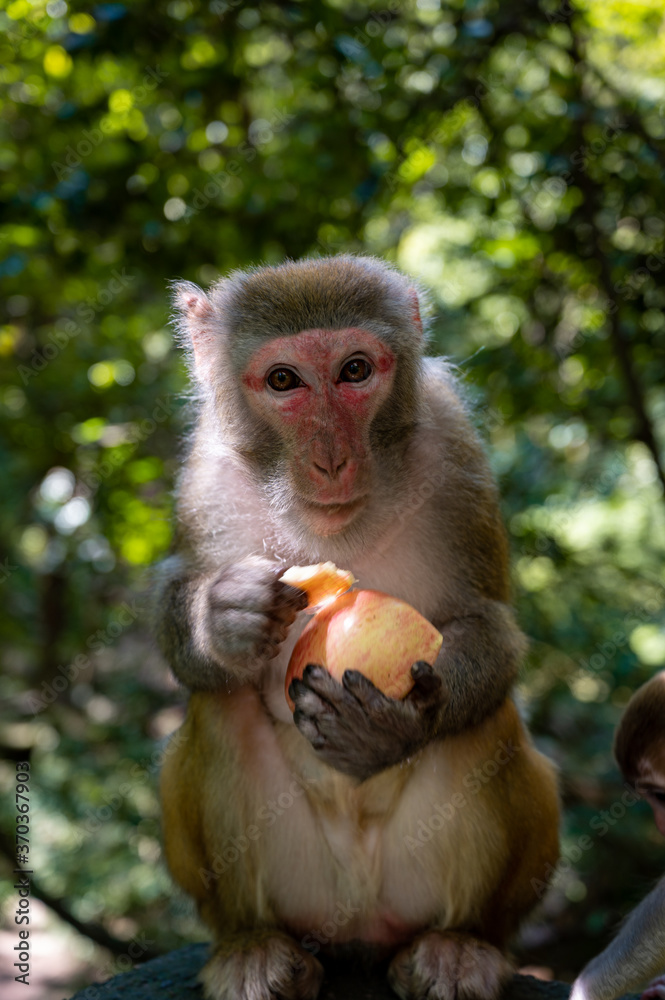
pixel 419 845
pixel 382 880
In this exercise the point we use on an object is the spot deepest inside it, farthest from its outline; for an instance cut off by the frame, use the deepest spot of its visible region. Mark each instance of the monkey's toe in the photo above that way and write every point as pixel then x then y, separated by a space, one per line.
pixel 446 965
pixel 264 966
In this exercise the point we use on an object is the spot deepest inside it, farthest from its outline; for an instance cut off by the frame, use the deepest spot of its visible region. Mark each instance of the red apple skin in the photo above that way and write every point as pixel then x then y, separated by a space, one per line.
pixel 373 633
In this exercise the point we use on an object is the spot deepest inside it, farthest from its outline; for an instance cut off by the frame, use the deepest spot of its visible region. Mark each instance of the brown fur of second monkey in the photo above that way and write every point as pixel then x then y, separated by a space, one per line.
pixel 388 825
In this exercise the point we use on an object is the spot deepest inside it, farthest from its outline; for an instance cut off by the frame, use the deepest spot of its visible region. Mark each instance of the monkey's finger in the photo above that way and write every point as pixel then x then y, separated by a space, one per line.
pixel 288 599
pixel 276 630
pixel 428 686
pixel 319 680
pixel 309 729
pixel 309 701
pixel 362 689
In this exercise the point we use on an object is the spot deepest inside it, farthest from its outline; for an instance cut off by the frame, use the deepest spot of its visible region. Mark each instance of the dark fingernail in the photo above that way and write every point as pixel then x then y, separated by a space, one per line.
pixel 312 671
pixel 296 687
pixel 350 677
pixel 293 596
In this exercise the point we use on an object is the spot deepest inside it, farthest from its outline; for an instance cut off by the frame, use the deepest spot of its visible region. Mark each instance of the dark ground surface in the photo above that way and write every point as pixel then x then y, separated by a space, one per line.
pixel 173 977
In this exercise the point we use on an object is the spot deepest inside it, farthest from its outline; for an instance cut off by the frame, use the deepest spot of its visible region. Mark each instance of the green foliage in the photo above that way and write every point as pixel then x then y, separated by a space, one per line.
pixel 510 158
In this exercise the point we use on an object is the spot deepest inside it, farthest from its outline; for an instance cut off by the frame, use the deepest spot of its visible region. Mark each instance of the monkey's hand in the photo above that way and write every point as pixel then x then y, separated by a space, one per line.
pixel 357 729
pixel 249 613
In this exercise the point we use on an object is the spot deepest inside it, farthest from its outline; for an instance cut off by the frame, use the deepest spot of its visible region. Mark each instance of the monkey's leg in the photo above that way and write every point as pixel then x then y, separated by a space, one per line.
pixel 447 965
pixel 488 861
pixel 261 965
pixel 217 831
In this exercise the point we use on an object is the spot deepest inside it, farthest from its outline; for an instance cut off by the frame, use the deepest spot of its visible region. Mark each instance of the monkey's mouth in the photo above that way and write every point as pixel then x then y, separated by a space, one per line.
pixel 328 518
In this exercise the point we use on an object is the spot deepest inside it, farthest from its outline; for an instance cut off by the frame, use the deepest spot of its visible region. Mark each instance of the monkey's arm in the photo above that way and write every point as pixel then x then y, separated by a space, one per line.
pixel 478 664
pixel 636 954
pixel 218 629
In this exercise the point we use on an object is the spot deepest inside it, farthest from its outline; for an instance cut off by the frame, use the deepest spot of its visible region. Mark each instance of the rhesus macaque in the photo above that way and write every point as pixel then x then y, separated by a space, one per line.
pixel 638 951
pixel 412 827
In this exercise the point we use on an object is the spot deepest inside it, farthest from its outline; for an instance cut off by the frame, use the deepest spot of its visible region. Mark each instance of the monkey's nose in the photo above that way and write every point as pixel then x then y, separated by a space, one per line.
pixel 331 469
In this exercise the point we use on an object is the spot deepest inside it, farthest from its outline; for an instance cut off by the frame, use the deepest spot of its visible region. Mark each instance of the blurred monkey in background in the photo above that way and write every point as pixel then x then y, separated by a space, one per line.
pixel 637 953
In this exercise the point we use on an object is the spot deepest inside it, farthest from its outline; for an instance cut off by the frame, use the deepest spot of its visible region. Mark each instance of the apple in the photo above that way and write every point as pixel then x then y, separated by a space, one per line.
pixel 373 633
pixel 322 583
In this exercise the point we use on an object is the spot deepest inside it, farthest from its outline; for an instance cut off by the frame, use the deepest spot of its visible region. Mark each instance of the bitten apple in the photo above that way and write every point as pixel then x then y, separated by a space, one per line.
pixel 322 583
pixel 373 633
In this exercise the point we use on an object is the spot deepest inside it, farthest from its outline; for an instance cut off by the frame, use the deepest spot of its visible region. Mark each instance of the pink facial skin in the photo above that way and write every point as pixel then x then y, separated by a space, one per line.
pixel 324 419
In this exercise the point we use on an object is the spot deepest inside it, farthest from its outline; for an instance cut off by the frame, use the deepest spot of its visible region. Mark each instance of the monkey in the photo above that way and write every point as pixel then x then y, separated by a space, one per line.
pixel 637 953
pixel 410 829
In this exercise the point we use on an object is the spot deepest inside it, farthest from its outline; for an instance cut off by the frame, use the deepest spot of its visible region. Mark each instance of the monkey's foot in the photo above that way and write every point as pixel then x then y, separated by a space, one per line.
pixel 261 966
pixel 446 965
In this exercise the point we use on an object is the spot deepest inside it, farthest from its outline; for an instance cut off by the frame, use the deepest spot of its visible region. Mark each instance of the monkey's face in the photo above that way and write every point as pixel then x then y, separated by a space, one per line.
pixel 320 391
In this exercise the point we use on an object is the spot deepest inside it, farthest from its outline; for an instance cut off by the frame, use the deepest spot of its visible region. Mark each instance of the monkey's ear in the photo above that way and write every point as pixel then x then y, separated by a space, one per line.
pixel 194 320
pixel 415 311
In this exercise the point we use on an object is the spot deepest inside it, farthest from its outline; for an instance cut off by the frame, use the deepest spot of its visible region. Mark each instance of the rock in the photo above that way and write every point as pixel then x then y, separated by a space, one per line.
pixel 174 977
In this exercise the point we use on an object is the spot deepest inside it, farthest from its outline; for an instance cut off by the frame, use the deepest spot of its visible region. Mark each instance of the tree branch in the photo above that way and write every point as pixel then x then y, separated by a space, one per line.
pixel 94 931
pixel 621 344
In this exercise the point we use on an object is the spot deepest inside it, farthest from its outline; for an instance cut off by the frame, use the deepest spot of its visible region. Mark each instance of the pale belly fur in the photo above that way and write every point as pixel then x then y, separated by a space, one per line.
pixel 372 862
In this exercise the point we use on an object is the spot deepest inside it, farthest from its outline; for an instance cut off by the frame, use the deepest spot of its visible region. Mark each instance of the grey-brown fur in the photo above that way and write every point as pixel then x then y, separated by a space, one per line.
pixel 328 294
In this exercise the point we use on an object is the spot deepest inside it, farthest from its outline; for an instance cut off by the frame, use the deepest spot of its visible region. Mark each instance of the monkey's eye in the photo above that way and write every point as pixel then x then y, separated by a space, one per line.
pixel 282 379
pixel 356 370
